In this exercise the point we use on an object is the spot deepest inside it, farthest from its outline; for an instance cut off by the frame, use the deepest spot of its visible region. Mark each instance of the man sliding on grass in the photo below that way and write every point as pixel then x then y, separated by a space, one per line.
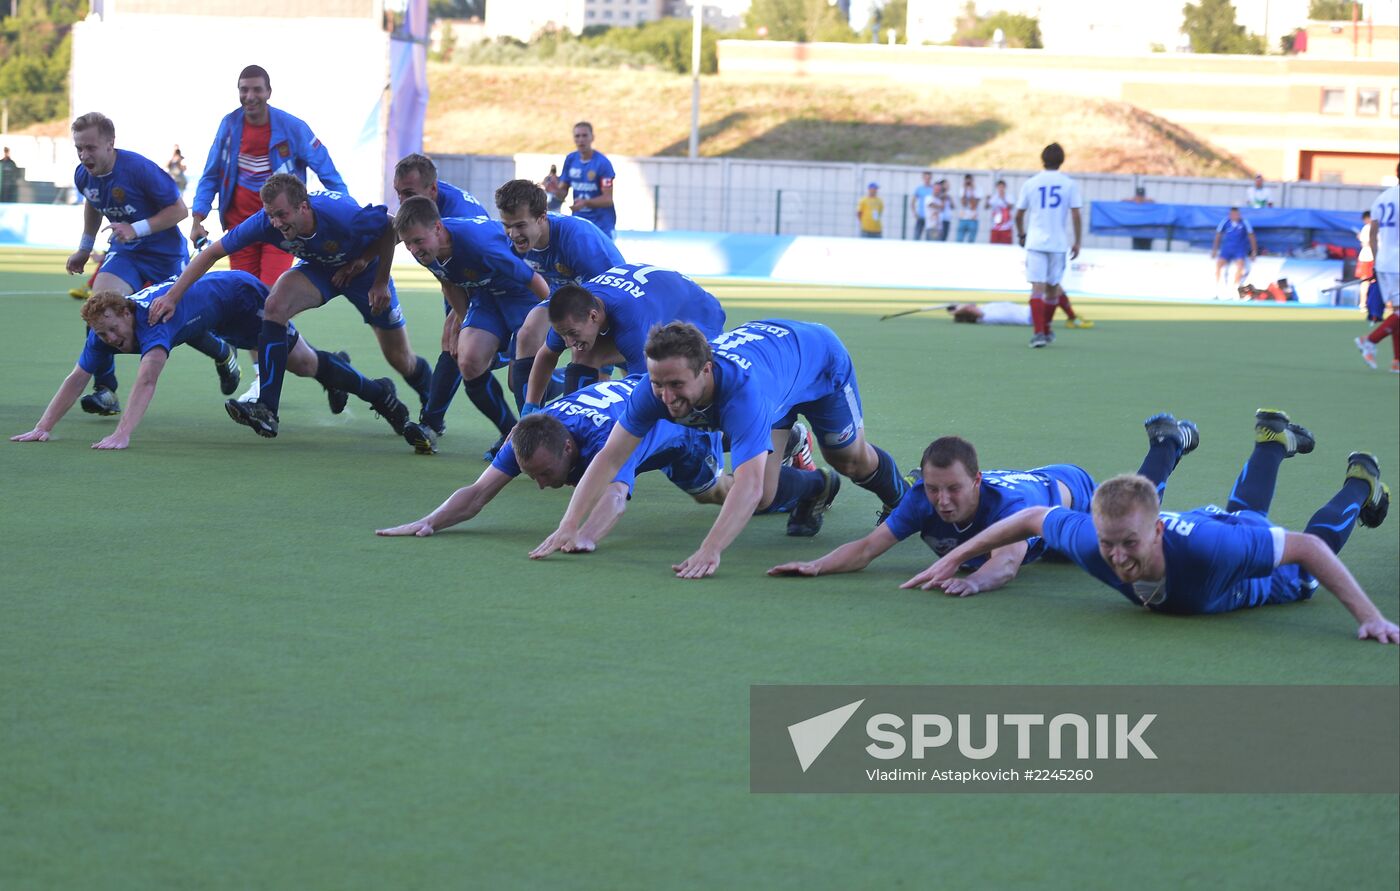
pixel 229 304
pixel 1208 560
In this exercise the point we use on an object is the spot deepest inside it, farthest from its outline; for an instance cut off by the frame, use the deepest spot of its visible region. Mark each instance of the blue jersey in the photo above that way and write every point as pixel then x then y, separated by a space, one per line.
pixel 1215 561
pixel 483 263
pixel 1234 237
pixel 638 297
pixel 134 189
pixel 587 179
pixel 1002 493
pixel 344 230
pixel 455 202
pixel 228 303
pixel 589 415
pixel 762 371
pixel 578 250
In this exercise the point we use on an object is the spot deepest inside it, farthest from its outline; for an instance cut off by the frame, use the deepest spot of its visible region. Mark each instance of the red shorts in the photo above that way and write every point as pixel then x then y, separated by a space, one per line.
pixel 1000 236
pixel 263 260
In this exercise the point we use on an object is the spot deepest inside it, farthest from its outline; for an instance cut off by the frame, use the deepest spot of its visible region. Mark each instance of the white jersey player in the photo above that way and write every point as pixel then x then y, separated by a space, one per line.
pixel 1385 242
pixel 995 313
pixel 1047 201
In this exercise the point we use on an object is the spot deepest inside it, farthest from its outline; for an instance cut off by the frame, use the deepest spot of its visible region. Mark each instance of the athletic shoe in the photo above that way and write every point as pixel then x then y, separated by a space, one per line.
pixel 82 292
pixel 1078 322
pixel 1368 351
pixel 913 480
pixel 254 390
pixel 1038 341
pixel 1363 466
pixel 388 406
pixel 806 517
pixel 1273 426
pixel 490 454
pixel 1050 338
pixel 101 401
pixel 422 437
pixel 338 398
pixel 229 372
pixel 1165 426
pixel 798 452
pixel 253 414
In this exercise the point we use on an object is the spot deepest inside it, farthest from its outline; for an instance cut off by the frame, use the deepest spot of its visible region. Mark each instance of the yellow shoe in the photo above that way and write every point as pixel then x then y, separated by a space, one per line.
pixel 82 292
pixel 1078 322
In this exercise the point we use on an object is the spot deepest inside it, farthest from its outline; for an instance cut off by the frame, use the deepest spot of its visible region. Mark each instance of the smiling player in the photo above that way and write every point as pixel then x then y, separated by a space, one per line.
pixel 329 234
pixel 1209 560
pixel 230 303
pixel 750 383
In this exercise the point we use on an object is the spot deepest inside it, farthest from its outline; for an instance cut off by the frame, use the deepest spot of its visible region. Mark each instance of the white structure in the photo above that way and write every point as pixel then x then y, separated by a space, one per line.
pixel 340 93
pixel 1106 27
pixel 525 20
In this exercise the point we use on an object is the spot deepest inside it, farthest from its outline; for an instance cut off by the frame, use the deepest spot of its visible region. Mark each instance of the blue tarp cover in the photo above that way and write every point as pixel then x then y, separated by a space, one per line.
pixel 1278 230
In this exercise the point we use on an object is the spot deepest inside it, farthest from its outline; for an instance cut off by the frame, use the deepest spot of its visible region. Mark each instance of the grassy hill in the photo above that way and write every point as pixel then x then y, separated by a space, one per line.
pixel 503 110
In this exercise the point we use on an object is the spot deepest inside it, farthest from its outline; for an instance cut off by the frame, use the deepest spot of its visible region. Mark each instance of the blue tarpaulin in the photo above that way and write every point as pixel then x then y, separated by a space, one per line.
pixel 1278 230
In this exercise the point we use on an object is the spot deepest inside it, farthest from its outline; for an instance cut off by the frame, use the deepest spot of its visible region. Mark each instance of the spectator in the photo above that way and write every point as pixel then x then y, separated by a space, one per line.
pixel 9 178
pixel 933 212
pixel 1234 243
pixel 945 217
pixel 968 203
pixel 1000 207
pixel 1140 197
pixel 920 202
pixel 869 211
pixel 1365 258
pixel 176 168
pixel 1258 195
pixel 552 187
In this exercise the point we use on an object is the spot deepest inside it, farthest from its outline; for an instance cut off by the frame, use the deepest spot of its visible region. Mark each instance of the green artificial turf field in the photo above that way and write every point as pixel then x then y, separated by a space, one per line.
pixel 213 674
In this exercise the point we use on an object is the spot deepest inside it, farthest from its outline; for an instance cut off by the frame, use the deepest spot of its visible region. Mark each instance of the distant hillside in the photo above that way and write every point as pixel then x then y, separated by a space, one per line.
pixel 503 110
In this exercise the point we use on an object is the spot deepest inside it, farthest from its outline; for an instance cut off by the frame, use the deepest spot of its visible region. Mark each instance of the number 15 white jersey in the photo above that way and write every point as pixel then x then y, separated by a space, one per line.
pixel 1047 198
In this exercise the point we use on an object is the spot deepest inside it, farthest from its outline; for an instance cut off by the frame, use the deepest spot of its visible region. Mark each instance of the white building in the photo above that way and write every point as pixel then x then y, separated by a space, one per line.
pixel 524 20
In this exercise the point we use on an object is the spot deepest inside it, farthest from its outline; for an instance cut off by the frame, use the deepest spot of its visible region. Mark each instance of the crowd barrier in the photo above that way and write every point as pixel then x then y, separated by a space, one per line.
pixel 1098 272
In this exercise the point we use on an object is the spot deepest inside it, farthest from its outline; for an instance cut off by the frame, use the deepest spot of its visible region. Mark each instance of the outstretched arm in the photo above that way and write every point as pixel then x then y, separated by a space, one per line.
pixel 739 504
pixel 1001 567
pixel 602 470
pixel 1078 232
pixel 68 392
pixel 459 507
pixel 1017 527
pixel 546 360
pixel 137 400
pixel 853 556
pixel 604 517
pixel 1312 553
pixel 163 307
pixel 92 218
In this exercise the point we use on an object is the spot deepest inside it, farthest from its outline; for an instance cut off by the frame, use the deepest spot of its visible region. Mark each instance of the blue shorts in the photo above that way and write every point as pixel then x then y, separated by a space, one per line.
pixel 1230 256
pixel 139 269
pixel 836 419
pixel 357 292
pixel 1290 583
pixel 1081 486
pixel 501 319
pixel 692 462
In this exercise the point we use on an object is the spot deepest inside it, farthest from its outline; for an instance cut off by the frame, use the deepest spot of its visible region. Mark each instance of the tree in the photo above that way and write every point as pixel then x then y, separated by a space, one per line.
pixel 36 47
pixel 1330 10
pixel 802 21
pixel 1211 27
pixel 1020 31
pixel 894 16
